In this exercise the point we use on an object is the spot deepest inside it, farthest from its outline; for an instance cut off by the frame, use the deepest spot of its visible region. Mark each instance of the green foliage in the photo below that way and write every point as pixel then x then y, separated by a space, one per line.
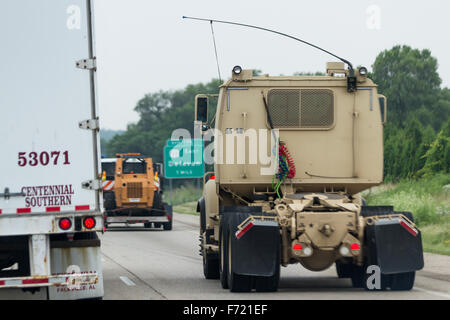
pixel 417 109
pixel 438 155
pixel 436 237
pixel 186 208
pixel 409 78
pixel 428 199
pixel 183 194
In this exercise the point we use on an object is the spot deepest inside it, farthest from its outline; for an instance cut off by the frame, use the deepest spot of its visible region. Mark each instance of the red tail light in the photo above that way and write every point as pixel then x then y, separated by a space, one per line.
pixel 297 246
pixel 355 246
pixel 65 223
pixel 89 222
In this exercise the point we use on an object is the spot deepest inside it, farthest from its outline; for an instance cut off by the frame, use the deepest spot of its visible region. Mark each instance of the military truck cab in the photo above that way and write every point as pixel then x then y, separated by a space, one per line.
pixel 292 155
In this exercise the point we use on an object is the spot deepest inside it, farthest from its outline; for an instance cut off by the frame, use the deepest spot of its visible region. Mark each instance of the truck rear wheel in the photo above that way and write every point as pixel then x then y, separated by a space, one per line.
pixel 167 225
pixel 210 265
pixel 147 225
pixel 358 276
pixel 403 281
pixel 344 270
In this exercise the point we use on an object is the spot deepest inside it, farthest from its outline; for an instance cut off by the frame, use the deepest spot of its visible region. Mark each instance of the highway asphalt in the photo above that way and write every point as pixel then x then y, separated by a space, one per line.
pixel 142 264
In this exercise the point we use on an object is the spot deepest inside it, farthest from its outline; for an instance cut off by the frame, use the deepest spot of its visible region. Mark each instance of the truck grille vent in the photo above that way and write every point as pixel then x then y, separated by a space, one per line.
pixel 134 190
pixel 284 108
pixel 306 108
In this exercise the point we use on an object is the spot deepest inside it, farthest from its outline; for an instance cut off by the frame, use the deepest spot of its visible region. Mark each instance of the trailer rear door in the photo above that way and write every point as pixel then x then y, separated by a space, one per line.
pixel 44 96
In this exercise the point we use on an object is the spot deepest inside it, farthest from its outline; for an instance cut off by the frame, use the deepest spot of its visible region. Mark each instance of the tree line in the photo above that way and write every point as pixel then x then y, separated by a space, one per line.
pixel 416 136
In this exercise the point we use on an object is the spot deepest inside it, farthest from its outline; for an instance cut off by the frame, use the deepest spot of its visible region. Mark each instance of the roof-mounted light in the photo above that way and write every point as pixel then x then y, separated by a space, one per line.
pixel 237 70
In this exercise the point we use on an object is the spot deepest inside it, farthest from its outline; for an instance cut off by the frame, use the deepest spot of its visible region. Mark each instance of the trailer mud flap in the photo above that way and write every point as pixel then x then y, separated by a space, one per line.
pixel 397 246
pixel 255 248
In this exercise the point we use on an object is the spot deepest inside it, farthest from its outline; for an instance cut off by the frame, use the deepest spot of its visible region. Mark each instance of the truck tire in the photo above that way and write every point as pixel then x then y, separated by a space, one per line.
pixel 223 252
pixel 236 282
pixel 202 212
pixel 358 276
pixel 344 270
pixel 167 225
pixel 210 265
pixel 147 225
pixel 403 281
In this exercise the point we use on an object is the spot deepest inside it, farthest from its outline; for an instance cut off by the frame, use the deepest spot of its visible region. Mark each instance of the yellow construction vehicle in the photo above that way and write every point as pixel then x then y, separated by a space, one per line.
pixel 132 191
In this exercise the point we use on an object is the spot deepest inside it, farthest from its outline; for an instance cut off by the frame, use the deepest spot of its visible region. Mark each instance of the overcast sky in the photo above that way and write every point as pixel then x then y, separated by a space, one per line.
pixel 144 46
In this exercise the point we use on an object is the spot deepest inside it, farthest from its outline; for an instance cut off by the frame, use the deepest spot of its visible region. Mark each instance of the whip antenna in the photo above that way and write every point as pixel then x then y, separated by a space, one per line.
pixel 277 32
pixel 215 50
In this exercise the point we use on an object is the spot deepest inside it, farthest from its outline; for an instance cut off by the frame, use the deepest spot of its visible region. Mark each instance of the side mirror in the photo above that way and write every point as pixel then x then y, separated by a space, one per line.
pixel 383 108
pixel 201 108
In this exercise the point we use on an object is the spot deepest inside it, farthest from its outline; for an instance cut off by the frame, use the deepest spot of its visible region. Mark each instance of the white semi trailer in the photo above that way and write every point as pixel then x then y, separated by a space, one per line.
pixel 50 202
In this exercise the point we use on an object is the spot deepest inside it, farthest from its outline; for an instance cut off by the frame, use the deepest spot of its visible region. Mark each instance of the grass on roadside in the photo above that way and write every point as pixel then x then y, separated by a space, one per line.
pixel 184 199
pixel 186 208
pixel 428 200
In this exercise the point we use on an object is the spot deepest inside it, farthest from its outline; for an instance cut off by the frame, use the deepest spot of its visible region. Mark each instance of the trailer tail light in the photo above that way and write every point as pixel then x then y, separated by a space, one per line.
pixel 89 222
pixel 355 246
pixel 297 246
pixel 65 223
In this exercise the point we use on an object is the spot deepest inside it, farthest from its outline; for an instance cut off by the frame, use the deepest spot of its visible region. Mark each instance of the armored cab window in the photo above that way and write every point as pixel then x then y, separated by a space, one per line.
pixel 305 108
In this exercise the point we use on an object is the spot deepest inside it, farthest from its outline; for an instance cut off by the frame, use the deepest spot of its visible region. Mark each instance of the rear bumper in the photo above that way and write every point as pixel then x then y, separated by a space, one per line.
pixel 141 219
pixel 67 280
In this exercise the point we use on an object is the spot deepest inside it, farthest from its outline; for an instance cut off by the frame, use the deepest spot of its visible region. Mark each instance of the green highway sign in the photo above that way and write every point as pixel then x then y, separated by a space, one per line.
pixel 184 159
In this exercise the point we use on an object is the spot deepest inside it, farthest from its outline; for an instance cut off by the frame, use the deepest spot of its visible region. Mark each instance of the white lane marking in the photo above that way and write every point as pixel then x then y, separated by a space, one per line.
pixel 439 294
pixel 127 281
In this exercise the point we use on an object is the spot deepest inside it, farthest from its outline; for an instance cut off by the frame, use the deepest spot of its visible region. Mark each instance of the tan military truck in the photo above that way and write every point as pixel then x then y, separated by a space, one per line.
pixel 132 192
pixel 327 146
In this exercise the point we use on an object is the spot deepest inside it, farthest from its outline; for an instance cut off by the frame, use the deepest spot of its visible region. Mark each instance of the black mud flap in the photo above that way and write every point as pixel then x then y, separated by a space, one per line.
pixel 255 247
pixel 397 246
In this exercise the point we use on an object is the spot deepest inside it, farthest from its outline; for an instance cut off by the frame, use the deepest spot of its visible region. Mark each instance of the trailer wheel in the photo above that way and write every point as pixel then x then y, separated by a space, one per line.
pixel 223 253
pixel 236 282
